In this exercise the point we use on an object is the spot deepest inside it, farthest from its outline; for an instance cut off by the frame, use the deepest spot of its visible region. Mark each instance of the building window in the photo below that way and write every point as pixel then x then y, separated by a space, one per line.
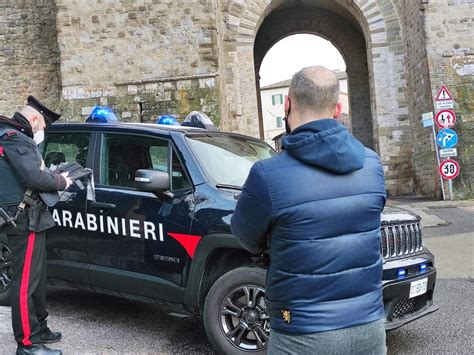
pixel 279 121
pixel 277 99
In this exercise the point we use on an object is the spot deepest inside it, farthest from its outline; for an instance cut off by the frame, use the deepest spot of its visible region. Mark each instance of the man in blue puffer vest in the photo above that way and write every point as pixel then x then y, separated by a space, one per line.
pixel 317 207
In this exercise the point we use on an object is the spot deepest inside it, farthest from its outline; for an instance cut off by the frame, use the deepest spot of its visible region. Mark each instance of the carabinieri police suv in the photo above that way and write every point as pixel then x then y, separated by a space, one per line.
pixel 159 228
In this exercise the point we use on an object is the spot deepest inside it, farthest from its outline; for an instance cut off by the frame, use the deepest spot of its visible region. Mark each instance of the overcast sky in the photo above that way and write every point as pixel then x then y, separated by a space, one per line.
pixel 296 52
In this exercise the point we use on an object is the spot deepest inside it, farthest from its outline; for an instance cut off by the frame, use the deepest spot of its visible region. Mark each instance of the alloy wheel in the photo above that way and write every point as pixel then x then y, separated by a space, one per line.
pixel 244 318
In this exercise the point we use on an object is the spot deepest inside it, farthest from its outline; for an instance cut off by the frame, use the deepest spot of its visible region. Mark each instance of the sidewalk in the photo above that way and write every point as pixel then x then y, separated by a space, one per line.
pixel 448 232
pixel 426 208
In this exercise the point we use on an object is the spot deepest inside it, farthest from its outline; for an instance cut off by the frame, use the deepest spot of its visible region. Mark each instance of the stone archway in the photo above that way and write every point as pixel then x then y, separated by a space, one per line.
pixel 348 38
pixel 378 90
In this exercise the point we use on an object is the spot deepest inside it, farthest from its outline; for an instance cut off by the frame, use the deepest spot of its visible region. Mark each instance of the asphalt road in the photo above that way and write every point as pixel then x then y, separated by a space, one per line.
pixel 98 324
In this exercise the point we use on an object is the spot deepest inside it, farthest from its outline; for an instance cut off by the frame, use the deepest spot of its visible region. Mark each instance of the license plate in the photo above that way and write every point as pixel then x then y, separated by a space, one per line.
pixel 418 287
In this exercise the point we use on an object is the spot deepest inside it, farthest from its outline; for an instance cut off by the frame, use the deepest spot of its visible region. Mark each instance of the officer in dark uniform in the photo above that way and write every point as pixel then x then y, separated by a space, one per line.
pixel 23 181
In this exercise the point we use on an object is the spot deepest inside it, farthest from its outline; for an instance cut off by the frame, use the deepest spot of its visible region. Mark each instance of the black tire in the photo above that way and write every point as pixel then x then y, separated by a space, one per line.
pixel 5 271
pixel 235 317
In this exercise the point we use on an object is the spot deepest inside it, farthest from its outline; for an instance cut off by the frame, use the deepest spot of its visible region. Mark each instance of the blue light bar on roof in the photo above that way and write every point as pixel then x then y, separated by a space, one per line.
pixel 102 114
pixel 169 120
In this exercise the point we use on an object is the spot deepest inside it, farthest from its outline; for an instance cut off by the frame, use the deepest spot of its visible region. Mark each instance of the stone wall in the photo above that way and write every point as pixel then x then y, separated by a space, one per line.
pixel 150 57
pixel 418 98
pixel 29 55
pixel 386 61
pixel 142 58
pixel 450 47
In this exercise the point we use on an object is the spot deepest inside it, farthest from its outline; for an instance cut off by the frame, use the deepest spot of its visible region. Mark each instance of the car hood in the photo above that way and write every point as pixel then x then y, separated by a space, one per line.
pixel 395 215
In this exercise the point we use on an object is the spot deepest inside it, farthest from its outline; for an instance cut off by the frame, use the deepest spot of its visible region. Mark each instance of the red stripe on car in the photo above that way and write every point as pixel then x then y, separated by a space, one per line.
pixel 188 241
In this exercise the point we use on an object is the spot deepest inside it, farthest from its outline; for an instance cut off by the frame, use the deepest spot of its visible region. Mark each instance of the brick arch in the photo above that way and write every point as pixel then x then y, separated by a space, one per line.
pixel 379 25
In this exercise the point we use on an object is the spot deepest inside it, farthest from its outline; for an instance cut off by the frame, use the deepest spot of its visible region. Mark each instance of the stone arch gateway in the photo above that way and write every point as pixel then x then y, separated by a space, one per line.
pixel 346 37
pixel 370 38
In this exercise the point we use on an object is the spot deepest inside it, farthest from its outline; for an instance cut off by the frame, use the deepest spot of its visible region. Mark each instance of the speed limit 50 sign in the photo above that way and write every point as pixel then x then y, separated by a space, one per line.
pixel 449 169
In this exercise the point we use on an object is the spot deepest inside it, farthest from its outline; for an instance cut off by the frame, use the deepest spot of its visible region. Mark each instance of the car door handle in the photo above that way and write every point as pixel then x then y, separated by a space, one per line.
pixel 103 205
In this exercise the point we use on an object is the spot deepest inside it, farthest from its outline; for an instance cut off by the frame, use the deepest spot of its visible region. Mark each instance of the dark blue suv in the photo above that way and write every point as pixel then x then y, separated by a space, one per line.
pixel 159 231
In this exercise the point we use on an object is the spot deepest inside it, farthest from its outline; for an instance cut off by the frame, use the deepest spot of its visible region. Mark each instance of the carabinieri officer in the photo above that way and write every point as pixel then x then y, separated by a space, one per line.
pixel 23 181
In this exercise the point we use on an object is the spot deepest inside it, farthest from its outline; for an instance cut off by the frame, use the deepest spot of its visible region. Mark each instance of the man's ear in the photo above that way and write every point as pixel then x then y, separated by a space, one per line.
pixel 34 120
pixel 338 111
pixel 287 105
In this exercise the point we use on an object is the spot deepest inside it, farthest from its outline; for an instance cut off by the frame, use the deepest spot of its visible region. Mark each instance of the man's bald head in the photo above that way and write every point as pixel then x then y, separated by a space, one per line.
pixel 315 89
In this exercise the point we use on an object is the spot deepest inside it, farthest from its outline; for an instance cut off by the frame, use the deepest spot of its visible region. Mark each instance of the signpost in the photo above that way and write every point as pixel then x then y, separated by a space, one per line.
pixel 444 99
pixel 428 121
pixel 445 119
pixel 449 169
pixel 446 139
pixel 446 153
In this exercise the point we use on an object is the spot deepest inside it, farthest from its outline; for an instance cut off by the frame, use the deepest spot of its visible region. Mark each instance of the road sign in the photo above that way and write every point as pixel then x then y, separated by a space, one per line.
pixel 427 118
pixel 444 95
pixel 444 99
pixel 447 138
pixel 445 119
pixel 441 105
pixel 449 169
pixel 446 153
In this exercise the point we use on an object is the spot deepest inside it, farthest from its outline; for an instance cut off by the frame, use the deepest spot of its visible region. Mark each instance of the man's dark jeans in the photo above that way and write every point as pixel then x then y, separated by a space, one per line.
pixel 365 339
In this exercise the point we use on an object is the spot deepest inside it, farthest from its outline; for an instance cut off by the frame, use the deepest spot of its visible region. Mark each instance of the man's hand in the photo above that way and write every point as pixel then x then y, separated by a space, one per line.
pixel 68 182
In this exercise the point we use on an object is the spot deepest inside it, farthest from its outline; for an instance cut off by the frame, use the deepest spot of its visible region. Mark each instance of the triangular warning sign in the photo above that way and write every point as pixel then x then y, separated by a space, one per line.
pixel 443 94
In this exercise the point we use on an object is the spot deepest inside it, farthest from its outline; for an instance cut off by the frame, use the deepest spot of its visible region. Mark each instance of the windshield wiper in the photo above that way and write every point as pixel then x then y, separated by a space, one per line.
pixel 231 187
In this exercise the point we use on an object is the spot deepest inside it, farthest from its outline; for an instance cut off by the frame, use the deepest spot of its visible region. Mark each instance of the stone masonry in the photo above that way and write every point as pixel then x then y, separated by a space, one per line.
pixel 145 58
pixel 450 50
pixel 29 53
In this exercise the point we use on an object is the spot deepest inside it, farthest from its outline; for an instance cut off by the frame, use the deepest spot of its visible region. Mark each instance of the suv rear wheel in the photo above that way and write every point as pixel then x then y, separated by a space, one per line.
pixel 5 271
pixel 235 316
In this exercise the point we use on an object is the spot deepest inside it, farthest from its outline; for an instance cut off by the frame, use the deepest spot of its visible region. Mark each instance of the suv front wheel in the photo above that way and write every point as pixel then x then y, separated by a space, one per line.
pixel 235 316
pixel 5 271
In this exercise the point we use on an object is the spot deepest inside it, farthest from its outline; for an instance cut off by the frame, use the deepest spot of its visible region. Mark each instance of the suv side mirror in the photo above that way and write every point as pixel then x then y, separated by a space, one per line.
pixel 152 180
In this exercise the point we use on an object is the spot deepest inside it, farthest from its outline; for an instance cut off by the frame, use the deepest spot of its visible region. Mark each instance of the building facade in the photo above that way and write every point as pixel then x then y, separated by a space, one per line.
pixel 149 57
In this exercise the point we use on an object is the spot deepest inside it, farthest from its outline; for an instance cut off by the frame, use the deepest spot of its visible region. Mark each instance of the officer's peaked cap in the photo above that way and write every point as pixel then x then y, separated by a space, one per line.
pixel 49 116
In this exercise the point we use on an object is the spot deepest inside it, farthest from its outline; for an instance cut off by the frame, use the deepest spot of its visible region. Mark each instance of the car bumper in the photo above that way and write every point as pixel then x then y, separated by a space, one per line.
pixel 399 308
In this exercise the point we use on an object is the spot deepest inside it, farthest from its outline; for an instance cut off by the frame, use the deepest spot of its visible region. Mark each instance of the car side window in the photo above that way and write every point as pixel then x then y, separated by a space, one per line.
pixel 65 147
pixel 159 157
pixel 179 181
pixel 124 155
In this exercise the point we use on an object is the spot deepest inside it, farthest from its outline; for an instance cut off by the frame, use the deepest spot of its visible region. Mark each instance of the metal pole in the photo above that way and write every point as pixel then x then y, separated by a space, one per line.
pixel 450 187
pixel 437 157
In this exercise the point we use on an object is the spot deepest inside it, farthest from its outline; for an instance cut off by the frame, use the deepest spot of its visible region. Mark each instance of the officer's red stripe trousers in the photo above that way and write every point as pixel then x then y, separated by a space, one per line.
pixel 25 280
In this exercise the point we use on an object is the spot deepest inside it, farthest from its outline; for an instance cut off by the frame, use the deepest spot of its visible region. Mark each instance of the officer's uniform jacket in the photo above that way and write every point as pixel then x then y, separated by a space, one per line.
pixel 21 169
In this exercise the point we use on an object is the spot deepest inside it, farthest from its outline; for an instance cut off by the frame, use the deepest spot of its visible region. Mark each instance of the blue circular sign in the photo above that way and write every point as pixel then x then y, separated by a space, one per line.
pixel 447 138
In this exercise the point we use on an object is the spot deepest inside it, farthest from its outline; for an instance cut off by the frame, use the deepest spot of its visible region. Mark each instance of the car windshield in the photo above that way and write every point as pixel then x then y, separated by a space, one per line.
pixel 227 159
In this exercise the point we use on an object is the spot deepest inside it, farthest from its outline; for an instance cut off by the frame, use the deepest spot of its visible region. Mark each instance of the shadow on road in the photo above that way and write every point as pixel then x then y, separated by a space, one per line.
pixel 93 322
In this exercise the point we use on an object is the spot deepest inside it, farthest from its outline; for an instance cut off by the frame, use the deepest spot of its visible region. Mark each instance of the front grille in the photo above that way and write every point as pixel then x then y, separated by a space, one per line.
pixel 400 240
pixel 408 306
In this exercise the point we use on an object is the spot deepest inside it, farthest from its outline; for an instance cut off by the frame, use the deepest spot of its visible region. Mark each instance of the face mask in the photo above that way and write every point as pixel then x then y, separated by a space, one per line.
pixel 287 114
pixel 39 137
pixel 287 126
